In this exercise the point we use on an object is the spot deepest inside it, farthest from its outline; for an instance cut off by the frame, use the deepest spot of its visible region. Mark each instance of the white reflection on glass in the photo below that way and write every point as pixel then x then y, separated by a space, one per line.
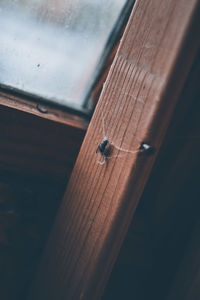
pixel 51 47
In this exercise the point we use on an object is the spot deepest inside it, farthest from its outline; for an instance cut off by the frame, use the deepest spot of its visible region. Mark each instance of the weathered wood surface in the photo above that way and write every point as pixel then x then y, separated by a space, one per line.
pixel 138 100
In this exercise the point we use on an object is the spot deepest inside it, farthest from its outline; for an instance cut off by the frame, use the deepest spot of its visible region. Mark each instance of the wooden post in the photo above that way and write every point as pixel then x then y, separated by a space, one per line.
pixel 137 102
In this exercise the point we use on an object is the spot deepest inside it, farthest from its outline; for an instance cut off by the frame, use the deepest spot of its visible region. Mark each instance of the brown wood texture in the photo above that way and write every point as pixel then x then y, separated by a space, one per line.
pixel 46 110
pixel 95 94
pixel 33 145
pixel 138 100
pixel 167 211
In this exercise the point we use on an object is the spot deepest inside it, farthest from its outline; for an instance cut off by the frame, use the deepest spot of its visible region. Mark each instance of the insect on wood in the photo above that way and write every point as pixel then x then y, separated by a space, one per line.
pixel 104 148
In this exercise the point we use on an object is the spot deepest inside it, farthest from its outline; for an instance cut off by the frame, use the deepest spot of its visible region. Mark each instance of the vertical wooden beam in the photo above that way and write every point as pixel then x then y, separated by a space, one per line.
pixel 137 102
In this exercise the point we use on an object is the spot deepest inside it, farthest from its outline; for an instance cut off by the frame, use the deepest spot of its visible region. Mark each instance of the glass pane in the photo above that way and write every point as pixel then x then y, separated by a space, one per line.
pixel 51 47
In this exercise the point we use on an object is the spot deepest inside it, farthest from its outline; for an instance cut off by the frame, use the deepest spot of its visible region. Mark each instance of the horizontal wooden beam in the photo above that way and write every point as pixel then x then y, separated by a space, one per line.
pixel 137 102
pixel 46 110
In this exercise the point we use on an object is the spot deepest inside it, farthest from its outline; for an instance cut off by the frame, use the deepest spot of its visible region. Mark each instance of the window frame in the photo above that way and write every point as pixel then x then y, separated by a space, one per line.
pixel 120 218
pixel 100 201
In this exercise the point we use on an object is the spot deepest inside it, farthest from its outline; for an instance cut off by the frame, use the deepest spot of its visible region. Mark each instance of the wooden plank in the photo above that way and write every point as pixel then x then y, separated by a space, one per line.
pixel 169 207
pixel 45 110
pixel 138 99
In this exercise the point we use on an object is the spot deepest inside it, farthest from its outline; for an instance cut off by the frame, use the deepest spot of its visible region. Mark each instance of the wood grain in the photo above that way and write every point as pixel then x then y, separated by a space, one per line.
pixel 30 104
pixel 138 100
pixel 164 219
